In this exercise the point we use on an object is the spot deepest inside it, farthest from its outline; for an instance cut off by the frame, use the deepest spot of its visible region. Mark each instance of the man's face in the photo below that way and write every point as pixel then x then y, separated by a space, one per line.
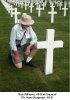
pixel 25 26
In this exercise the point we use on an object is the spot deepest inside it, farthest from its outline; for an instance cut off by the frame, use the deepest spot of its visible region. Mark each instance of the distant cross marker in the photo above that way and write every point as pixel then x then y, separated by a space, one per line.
pixel 11 11
pixel 52 13
pixel 21 4
pixel 60 5
pixel 9 8
pixel 36 4
pixel 31 6
pixel 16 2
pixel 15 13
pixel 39 10
pixel 65 8
pixel 25 5
pixel 69 4
pixel 43 5
pixel 49 45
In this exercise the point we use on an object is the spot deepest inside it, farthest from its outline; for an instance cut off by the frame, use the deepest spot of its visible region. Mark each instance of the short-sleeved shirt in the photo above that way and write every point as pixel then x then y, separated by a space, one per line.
pixel 17 33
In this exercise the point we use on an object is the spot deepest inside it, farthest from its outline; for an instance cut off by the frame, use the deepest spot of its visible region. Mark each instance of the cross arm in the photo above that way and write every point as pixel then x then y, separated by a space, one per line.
pixel 52 44
pixel 58 44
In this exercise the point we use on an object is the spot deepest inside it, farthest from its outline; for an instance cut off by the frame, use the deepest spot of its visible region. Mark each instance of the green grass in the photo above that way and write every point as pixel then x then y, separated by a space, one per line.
pixel 29 79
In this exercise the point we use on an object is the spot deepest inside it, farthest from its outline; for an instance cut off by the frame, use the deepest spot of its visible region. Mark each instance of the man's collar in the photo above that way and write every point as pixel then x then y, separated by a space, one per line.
pixel 20 27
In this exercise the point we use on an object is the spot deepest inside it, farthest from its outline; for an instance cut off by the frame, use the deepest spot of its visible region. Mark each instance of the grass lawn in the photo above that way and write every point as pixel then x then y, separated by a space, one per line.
pixel 30 79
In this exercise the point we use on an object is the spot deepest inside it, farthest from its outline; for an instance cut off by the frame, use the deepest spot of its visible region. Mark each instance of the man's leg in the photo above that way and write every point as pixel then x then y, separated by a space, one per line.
pixel 18 64
pixel 32 53
pixel 30 56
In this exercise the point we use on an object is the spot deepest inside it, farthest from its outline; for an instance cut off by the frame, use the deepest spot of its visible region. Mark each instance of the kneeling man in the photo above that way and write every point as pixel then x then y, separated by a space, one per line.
pixel 23 39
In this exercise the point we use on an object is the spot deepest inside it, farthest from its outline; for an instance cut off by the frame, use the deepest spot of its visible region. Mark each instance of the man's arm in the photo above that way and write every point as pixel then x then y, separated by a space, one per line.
pixel 33 36
pixel 13 44
pixel 13 40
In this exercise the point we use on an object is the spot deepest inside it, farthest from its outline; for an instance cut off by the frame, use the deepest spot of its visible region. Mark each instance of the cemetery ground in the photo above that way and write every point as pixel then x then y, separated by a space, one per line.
pixel 33 79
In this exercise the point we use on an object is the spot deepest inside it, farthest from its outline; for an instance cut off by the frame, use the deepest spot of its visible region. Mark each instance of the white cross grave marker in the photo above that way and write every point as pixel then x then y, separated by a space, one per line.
pixel 11 11
pixel 50 1
pixel 37 4
pixel 43 5
pixel 52 5
pixel 16 2
pixel 52 13
pixel 31 6
pixel 15 13
pixel 49 45
pixel 39 10
pixel 58 2
pixel 21 4
pixel 55 2
pixel 25 5
pixel 65 8
pixel 60 5
pixel 69 4
pixel 13 2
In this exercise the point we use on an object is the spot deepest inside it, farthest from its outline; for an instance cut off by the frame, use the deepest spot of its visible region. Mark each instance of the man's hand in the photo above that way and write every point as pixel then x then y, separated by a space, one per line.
pixel 27 52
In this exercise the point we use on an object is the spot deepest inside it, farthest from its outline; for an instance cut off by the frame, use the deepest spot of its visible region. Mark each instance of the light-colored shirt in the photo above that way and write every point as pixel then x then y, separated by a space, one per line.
pixel 17 33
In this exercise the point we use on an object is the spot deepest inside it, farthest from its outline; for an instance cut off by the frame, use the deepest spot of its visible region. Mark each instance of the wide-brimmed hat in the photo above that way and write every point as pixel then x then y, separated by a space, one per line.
pixel 26 19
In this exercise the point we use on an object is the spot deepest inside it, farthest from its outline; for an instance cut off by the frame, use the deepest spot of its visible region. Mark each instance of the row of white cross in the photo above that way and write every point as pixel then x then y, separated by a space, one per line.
pixel 49 45
pixel 11 10
pixel 20 2
pixel 39 8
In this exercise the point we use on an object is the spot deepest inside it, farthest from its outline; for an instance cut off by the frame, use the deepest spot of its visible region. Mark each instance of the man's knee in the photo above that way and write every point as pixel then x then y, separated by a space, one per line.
pixel 34 47
pixel 18 65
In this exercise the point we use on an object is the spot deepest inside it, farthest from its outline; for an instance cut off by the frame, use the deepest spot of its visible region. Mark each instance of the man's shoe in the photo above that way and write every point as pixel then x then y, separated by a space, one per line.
pixel 30 64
